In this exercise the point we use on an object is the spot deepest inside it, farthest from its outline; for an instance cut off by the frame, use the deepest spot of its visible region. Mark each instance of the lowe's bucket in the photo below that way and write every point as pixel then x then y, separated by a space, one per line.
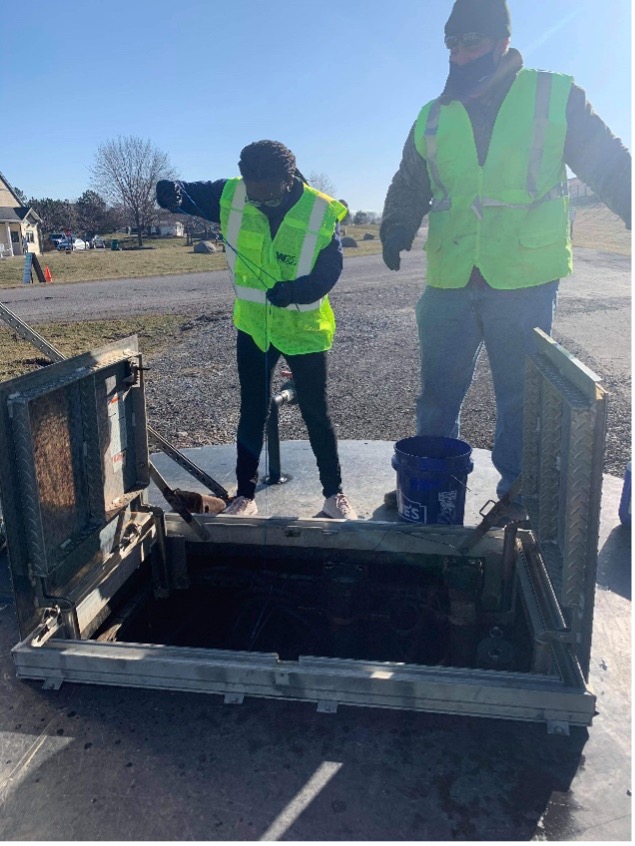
pixel 432 479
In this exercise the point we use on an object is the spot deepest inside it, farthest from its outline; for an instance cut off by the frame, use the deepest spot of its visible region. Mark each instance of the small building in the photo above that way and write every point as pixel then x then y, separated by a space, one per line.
pixel 169 228
pixel 579 191
pixel 20 226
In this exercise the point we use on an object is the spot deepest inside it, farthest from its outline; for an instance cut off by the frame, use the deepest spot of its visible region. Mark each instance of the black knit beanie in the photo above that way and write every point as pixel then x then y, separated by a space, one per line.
pixel 489 17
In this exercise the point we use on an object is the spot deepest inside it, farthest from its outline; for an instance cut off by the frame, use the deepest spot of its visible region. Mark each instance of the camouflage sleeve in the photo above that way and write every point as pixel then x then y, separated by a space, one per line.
pixel 409 195
pixel 596 156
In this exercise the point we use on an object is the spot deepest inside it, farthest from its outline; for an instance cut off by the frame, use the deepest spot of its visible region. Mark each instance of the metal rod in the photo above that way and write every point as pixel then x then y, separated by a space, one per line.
pixel 273 444
pixel 177 504
pixel 286 394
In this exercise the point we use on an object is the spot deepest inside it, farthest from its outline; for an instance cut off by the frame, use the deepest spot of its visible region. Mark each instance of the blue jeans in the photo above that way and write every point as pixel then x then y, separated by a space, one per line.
pixel 453 326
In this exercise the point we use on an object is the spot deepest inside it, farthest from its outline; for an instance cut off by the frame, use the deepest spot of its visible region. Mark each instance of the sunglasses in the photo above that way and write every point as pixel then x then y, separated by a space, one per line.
pixel 268 204
pixel 469 40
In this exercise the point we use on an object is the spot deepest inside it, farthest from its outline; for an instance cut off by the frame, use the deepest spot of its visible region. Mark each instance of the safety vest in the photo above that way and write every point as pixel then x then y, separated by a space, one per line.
pixel 256 263
pixel 510 216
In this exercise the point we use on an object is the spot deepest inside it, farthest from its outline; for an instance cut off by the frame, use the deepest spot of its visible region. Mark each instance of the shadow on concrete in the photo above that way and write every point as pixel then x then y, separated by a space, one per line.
pixel 614 571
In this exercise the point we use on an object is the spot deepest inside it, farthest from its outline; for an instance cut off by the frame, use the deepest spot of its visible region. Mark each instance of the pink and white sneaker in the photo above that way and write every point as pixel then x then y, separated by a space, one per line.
pixel 338 507
pixel 241 507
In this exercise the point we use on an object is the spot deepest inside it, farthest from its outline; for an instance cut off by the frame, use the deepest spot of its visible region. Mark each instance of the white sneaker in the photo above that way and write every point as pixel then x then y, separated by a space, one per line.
pixel 241 507
pixel 338 507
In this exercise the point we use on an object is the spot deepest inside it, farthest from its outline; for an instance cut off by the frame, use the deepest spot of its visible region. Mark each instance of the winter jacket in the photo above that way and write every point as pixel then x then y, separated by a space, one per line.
pixel 591 151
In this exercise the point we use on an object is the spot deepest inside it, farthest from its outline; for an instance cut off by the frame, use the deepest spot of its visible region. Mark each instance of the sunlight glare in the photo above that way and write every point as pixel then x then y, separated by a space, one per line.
pixel 301 800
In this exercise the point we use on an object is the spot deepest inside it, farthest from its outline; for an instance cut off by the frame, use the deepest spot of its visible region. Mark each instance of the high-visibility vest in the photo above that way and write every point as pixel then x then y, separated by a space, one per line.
pixel 510 216
pixel 256 262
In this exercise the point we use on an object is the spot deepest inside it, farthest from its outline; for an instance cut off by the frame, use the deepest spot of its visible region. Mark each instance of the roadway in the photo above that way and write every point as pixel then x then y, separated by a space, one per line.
pixel 593 314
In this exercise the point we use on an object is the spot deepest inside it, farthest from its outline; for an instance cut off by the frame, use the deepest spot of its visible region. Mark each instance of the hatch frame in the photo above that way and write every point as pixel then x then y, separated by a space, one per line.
pixel 54 645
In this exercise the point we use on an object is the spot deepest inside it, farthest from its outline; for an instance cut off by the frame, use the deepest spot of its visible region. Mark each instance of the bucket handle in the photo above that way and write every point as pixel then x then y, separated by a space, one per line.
pixel 460 481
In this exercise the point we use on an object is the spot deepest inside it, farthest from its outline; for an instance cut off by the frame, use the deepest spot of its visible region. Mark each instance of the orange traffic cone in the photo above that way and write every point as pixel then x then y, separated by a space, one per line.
pixel 47 273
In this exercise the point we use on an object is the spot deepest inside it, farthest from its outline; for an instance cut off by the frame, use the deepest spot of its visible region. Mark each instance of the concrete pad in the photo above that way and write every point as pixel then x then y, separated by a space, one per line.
pixel 100 763
pixel 367 475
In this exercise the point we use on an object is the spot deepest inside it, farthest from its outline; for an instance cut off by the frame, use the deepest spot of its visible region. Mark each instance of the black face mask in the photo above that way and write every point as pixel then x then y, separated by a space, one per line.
pixel 465 78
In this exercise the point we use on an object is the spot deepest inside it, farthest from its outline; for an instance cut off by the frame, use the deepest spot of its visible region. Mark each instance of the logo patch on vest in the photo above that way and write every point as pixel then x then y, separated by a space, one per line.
pixel 286 259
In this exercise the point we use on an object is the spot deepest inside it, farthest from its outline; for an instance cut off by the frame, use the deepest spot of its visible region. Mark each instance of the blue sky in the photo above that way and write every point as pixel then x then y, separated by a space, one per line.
pixel 338 83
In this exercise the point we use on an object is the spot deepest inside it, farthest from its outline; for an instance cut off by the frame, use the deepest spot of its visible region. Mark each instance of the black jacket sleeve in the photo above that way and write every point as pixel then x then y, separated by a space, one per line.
pixel 409 195
pixel 597 156
pixel 201 199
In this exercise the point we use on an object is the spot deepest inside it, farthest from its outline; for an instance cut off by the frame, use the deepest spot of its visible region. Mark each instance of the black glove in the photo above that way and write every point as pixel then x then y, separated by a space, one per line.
pixel 393 243
pixel 281 295
pixel 168 194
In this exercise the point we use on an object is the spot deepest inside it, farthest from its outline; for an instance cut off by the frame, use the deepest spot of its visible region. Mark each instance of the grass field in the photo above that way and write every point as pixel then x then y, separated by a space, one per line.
pixel 595 227
pixel 158 257
pixel 599 229
pixel 18 356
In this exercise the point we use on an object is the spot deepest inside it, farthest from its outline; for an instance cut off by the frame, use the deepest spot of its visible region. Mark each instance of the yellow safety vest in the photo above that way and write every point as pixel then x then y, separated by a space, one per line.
pixel 256 263
pixel 510 216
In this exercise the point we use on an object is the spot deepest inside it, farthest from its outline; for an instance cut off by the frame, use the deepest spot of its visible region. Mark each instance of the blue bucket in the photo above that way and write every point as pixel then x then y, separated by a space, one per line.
pixel 432 479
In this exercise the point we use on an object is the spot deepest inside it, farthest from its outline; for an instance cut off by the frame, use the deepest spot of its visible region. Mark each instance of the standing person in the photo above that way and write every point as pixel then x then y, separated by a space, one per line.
pixel 284 255
pixel 487 160
pixel 571 219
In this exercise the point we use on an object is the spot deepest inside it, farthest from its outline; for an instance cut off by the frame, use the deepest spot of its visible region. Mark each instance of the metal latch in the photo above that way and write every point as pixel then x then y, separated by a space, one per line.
pixel 135 369
pixel 551 636
pixel 51 621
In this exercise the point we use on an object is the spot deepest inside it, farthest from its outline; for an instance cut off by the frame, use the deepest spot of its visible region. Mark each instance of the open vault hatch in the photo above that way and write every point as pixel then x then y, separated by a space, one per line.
pixel 447 619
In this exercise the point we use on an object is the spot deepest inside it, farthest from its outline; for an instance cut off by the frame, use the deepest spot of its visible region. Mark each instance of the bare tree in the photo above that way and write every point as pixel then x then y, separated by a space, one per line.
pixel 126 171
pixel 322 182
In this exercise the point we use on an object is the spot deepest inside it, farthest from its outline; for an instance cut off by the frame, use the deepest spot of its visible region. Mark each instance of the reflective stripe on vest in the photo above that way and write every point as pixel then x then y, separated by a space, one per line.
pixel 432 125
pixel 305 265
pixel 233 226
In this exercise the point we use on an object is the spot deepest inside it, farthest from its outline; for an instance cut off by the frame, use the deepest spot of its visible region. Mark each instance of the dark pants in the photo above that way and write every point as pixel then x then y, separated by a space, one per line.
pixel 255 369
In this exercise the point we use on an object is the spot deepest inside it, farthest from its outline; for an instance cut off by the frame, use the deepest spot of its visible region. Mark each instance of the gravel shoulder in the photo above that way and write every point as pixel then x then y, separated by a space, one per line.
pixel 192 387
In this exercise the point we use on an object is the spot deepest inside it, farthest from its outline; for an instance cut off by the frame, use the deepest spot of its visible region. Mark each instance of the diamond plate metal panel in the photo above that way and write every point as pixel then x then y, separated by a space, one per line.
pixel 531 424
pixel 549 454
pixel 563 451
pixel 46 427
pixel 29 499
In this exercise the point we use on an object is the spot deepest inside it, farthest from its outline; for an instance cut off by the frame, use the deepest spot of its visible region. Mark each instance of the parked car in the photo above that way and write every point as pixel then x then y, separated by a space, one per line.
pixel 97 243
pixel 71 244
pixel 56 237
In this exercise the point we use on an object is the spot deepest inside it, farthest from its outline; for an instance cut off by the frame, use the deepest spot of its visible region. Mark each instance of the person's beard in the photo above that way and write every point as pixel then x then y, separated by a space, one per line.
pixel 464 79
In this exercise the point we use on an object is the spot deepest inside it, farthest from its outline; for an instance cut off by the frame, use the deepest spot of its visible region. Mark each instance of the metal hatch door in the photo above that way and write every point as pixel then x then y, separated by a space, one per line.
pixel 73 460
pixel 563 453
